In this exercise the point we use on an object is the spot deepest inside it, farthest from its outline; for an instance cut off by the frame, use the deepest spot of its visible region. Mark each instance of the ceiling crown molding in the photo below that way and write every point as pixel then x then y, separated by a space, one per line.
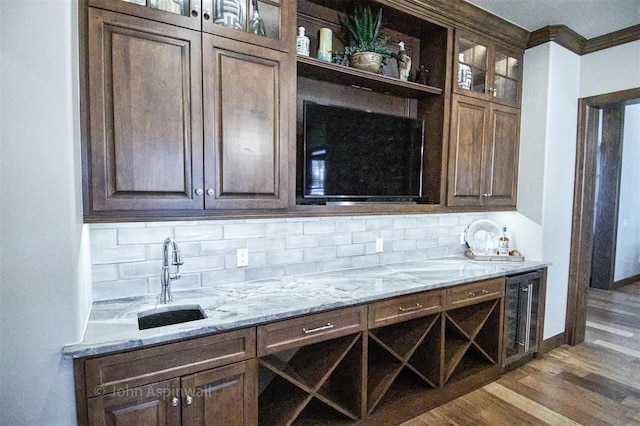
pixel 566 37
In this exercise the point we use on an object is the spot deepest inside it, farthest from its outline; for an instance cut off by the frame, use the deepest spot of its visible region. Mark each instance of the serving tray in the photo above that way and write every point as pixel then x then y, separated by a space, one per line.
pixel 495 258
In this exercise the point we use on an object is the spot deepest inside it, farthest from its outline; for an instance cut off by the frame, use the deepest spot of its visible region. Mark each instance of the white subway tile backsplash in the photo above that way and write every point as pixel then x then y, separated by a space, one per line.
pixel 351 250
pixel 302 268
pixel 104 237
pixel 104 255
pixel 279 257
pixel 242 230
pixel 265 244
pixel 224 276
pixel 198 233
pixel 284 229
pixel 126 257
pixel 302 241
pixel 144 235
pixel 336 239
pixel 104 290
pixel 221 246
pixel 336 264
pixel 319 253
pixel 320 227
pixel 139 269
pixel 264 273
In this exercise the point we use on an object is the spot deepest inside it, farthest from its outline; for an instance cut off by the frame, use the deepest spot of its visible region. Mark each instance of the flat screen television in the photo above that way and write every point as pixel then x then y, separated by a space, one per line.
pixel 357 155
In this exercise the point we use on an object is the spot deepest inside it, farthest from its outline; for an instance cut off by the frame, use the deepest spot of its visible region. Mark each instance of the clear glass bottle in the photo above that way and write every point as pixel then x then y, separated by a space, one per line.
pixel 503 243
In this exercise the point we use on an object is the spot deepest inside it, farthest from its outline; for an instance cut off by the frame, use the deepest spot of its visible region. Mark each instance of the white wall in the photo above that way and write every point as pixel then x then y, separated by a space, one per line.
pixel 610 70
pixel 547 155
pixel 45 291
pixel 628 242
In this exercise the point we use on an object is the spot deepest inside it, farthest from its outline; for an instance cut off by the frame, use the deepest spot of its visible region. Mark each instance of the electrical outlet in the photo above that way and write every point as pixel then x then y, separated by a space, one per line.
pixel 242 257
pixel 379 245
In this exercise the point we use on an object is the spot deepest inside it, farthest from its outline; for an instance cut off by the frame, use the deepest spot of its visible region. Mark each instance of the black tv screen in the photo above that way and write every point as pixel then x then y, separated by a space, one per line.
pixel 355 154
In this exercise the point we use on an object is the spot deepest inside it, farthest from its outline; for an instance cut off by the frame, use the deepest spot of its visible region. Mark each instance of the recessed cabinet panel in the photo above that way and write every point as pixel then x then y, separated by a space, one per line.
pixel 468 132
pixel 145 113
pixel 225 396
pixel 155 404
pixel 502 156
pixel 247 122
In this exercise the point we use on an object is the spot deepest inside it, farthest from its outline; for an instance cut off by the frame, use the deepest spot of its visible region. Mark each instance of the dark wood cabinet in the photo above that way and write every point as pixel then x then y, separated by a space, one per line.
pixel 146 114
pixel 150 149
pixel 377 363
pixel 157 404
pixel 246 108
pixel 223 396
pixel 207 380
pixel 483 153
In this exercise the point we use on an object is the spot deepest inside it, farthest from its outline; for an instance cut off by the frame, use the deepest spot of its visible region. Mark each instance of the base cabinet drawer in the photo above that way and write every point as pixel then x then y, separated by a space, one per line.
pixel 469 294
pixel 310 329
pixel 405 308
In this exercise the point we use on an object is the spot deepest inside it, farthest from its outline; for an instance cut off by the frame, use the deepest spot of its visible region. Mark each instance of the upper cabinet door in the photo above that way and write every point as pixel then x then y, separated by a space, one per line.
pixel 184 13
pixel 248 92
pixel 487 70
pixel 507 81
pixel 145 114
pixel 501 156
pixel 268 23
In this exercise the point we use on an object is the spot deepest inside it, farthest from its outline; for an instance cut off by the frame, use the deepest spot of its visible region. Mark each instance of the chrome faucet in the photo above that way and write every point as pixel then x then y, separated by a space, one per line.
pixel 166 275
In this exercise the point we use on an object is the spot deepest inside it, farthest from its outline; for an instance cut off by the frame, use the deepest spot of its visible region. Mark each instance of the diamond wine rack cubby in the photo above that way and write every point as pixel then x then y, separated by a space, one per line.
pixel 313 385
pixel 404 360
pixel 471 340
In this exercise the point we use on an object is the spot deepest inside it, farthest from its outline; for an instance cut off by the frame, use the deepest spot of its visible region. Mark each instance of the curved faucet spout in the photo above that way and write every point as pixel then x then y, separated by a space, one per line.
pixel 169 250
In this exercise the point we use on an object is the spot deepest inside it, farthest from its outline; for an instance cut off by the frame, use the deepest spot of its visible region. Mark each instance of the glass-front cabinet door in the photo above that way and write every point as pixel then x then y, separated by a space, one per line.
pixel 261 22
pixel 183 13
pixel 506 75
pixel 268 23
pixel 473 66
pixel 487 70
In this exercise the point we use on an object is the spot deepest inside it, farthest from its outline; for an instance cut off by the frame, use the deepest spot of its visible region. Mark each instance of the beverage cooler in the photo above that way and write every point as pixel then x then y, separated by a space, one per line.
pixel 523 315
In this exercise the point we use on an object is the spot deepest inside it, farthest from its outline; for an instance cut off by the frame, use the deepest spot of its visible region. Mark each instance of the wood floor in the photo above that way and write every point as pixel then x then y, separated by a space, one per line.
pixel 595 383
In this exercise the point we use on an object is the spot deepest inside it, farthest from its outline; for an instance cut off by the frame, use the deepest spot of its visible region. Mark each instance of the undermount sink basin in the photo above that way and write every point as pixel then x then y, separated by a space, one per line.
pixel 169 315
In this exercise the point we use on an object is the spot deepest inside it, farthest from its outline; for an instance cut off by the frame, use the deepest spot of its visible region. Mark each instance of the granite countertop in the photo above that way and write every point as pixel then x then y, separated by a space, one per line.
pixel 113 325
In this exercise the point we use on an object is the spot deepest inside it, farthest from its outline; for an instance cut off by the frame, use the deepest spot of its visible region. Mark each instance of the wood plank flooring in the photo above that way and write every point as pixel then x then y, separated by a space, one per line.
pixel 595 383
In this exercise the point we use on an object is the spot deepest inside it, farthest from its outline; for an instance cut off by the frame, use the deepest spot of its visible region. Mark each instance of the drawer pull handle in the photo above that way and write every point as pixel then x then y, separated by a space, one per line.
pixel 480 293
pixel 328 326
pixel 412 308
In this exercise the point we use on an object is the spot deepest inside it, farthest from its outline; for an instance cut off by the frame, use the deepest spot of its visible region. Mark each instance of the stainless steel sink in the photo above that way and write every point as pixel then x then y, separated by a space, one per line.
pixel 169 315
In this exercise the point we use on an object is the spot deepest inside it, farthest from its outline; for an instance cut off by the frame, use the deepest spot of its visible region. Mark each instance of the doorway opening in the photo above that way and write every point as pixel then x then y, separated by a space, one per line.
pixel 591 113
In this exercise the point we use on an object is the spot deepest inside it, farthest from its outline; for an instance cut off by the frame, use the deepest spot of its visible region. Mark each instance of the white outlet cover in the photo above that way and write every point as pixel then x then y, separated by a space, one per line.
pixel 379 245
pixel 242 257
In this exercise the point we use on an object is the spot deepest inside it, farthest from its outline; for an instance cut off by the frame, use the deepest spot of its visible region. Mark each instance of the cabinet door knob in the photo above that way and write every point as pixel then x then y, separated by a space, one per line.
pixel 199 191
pixel 195 12
pixel 175 401
pixel 188 400
pixel 486 195
pixel 209 191
pixel 207 14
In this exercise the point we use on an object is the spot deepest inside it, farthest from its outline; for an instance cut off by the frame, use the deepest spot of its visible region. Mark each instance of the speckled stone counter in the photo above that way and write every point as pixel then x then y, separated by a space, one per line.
pixel 113 324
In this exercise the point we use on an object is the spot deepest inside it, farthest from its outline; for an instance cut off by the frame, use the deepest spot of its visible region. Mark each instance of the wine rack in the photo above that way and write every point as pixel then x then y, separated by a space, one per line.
pixel 404 360
pixel 472 340
pixel 316 384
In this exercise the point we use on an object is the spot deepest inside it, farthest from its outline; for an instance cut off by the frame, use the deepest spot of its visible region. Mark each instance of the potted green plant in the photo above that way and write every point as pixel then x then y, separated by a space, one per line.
pixel 366 50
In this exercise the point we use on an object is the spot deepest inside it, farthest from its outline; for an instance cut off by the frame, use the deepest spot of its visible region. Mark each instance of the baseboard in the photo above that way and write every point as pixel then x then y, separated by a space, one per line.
pixel 547 345
pixel 625 281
